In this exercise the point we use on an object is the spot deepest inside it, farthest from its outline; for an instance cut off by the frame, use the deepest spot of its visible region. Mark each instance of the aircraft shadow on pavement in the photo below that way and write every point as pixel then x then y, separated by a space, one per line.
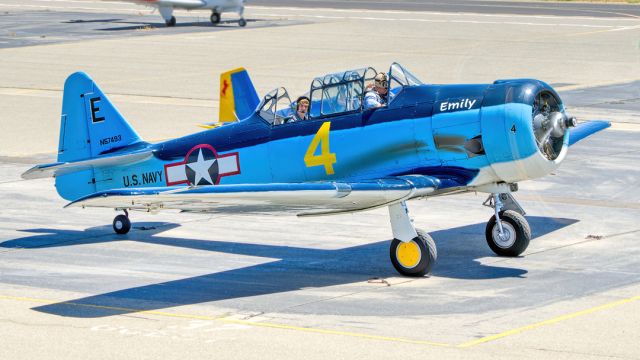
pixel 141 25
pixel 80 21
pixel 297 268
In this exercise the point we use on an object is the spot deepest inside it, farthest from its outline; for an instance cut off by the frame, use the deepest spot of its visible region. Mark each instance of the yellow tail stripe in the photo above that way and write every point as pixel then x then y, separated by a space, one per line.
pixel 227 102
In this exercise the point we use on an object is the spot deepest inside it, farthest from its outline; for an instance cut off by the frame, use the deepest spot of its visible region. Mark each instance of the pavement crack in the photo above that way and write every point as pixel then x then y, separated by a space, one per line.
pixel 284 309
pixel 377 280
pixel 588 239
pixel 585 354
pixel 32 324
pixel 612 102
pixel 251 316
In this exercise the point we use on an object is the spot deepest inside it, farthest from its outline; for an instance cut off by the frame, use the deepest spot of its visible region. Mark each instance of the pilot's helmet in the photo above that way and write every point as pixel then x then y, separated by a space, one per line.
pixel 381 80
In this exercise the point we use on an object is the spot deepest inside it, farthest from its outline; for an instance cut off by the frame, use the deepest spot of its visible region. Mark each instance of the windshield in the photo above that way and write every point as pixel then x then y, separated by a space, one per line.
pixel 400 78
pixel 339 92
pixel 275 107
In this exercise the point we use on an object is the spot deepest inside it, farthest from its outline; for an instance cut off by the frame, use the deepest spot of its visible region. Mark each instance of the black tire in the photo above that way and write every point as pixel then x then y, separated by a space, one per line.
pixel 514 224
pixel 121 224
pixel 242 22
pixel 427 258
pixel 171 22
pixel 215 18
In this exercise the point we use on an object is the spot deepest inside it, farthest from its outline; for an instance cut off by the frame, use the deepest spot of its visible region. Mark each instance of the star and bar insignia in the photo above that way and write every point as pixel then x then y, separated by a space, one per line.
pixel 202 166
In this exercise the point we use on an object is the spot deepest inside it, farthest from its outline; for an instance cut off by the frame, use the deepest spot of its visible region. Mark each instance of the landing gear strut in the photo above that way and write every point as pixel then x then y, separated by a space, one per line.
pixel 508 232
pixel 413 252
pixel 242 22
pixel 121 223
pixel 215 18
pixel 167 14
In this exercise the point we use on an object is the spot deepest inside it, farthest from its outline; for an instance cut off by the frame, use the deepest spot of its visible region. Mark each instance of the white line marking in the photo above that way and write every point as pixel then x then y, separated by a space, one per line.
pixel 371 18
pixel 350 17
pixel 378 11
pixel 456 14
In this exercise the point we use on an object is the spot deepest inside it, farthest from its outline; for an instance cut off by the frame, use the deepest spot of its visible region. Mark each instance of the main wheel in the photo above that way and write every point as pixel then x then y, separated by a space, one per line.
pixel 516 234
pixel 171 22
pixel 414 258
pixel 121 224
pixel 215 18
pixel 242 22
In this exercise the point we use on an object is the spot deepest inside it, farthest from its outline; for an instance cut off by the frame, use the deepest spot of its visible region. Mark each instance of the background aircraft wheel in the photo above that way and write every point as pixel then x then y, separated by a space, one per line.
pixel 215 18
pixel 414 258
pixel 517 234
pixel 242 22
pixel 121 224
pixel 171 22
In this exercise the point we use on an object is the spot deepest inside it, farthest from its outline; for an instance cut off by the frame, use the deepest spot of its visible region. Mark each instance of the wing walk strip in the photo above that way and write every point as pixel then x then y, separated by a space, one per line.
pixel 463 345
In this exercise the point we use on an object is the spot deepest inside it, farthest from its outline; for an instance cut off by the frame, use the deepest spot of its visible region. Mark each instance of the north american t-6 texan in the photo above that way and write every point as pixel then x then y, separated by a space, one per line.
pixel 217 7
pixel 427 140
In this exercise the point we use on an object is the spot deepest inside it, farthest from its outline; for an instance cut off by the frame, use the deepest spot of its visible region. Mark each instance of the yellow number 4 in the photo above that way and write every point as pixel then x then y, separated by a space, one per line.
pixel 325 158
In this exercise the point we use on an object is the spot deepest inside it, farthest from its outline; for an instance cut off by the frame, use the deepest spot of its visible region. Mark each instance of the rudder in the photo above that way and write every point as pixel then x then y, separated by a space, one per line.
pixel 90 126
pixel 238 96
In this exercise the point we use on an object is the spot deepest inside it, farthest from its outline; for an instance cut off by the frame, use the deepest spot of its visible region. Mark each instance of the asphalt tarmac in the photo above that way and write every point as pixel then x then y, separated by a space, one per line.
pixel 199 286
pixel 470 6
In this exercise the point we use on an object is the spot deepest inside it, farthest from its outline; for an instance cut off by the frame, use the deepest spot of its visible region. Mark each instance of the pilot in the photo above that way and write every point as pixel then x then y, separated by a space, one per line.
pixel 376 96
pixel 302 109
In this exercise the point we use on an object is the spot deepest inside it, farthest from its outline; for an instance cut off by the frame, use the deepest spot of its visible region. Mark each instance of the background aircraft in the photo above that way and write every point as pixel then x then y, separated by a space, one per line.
pixel 429 140
pixel 217 7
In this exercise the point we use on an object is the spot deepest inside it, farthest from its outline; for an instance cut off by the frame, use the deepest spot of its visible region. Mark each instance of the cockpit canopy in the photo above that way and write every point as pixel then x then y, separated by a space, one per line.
pixel 335 93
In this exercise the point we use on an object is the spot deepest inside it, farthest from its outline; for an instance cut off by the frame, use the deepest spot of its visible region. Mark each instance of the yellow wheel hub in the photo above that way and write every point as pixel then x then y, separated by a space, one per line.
pixel 408 254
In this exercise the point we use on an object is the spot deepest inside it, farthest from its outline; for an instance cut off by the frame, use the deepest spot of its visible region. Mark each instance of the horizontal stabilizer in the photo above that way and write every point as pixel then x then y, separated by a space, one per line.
pixel 61 168
pixel 316 198
pixel 586 129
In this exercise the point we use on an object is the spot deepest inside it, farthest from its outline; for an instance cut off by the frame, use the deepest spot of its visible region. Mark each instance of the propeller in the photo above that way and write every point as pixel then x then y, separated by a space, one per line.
pixel 549 129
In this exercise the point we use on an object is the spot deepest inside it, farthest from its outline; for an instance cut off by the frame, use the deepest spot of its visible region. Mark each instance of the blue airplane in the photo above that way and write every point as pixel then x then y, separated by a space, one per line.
pixel 427 140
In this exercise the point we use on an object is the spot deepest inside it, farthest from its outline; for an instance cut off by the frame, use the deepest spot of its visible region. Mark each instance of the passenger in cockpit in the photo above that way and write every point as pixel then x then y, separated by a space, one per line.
pixel 376 95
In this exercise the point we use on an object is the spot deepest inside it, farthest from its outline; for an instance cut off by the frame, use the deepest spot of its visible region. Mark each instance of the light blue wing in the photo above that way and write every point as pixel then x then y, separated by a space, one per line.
pixel 304 199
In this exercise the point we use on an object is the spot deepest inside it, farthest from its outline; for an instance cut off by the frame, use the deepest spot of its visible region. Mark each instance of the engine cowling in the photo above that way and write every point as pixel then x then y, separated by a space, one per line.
pixel 524 129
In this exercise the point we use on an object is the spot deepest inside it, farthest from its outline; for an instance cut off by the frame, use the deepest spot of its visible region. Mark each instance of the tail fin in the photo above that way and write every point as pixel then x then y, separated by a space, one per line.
pixel 90 125
pixel 238 96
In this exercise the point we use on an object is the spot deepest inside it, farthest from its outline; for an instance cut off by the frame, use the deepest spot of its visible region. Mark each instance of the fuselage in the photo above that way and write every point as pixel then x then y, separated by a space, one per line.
pixel 465 135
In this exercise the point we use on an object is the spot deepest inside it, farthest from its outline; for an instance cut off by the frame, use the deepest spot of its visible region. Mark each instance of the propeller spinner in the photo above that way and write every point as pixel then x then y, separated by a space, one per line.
pixel 549 127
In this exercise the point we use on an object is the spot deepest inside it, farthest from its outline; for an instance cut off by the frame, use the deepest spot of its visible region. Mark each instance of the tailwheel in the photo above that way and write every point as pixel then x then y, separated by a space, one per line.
pixel 122 224
pixel 215 18
pixel 171 22
pixel 415 257
pixel 513 239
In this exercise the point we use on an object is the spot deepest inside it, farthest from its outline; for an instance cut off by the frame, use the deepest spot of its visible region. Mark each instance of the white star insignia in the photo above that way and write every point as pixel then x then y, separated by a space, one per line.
pixel 201 167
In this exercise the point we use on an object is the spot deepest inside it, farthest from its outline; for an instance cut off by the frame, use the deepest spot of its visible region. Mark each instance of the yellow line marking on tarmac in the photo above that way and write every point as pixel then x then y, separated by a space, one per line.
pixel 547 322
pixel 233 321
pixel 467 344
